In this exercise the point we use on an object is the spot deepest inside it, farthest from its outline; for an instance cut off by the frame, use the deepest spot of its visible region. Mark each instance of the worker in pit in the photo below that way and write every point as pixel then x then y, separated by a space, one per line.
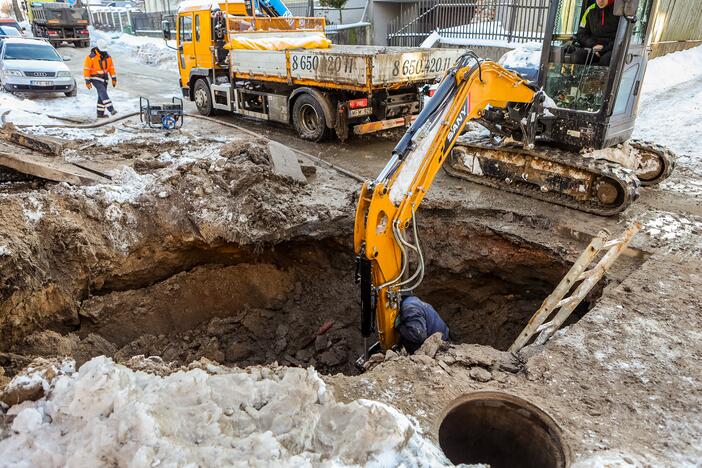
pixel 98 68
pixel 416 322
pixel 596 33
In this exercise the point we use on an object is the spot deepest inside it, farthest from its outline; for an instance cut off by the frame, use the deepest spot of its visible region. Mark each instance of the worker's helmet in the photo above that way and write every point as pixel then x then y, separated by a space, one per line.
pixel 101 44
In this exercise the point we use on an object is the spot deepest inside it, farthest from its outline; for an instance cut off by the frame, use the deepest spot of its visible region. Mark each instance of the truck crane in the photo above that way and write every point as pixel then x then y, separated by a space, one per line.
pixel 387 206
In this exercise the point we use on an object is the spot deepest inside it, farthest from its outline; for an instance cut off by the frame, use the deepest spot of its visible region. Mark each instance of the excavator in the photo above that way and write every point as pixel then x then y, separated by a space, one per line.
pixel 532 151
pixel 588 107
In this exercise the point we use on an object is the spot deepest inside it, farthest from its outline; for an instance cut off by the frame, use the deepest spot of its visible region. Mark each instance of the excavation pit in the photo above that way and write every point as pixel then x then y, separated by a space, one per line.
pixel 501 431
pixel 295 303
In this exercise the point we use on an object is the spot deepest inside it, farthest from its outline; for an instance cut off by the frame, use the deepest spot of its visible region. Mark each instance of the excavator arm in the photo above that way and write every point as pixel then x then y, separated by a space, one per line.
pixel 387 205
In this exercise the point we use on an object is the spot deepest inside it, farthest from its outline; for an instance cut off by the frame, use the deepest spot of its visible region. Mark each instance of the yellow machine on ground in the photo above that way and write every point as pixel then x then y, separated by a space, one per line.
pixel 387 206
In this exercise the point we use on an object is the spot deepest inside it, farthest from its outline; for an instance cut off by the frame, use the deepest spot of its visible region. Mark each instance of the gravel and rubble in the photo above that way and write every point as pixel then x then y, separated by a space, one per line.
pixel 152 263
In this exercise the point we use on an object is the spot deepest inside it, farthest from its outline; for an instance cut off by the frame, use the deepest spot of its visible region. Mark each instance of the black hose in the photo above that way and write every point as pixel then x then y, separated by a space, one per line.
pixel 88 125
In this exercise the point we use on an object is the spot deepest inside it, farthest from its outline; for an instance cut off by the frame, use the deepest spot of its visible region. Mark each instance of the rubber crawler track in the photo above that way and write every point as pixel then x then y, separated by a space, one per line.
pixel 666 156
pixel 627 182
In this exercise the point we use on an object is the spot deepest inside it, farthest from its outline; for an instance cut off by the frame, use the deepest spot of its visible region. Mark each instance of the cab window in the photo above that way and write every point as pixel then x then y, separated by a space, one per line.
pixel 186 29
pixel 197 27
pixel 643 15
pixel 578 65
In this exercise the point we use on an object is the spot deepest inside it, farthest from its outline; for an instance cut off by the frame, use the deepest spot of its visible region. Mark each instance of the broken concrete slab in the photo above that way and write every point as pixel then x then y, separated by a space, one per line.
pixel 50 169
pixel 284 162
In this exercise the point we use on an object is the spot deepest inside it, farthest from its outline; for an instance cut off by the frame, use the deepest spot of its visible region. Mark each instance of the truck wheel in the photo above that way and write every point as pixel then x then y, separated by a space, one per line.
pixel 203 97
pixel 308 118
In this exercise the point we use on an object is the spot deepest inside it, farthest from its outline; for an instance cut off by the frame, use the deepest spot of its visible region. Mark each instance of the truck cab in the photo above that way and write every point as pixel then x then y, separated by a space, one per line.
pixel 60 22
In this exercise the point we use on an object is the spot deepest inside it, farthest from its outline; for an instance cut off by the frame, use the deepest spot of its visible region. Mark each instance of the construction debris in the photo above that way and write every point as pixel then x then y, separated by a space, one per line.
pixel 43 144
pixel 284 162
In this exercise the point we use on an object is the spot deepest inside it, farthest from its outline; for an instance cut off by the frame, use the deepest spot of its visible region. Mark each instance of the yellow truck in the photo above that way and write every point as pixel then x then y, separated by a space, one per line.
pixel 284 69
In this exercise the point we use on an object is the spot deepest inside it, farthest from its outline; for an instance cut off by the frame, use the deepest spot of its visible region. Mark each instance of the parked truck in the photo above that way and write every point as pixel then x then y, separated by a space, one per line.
pixel 60 22
pixel 283 69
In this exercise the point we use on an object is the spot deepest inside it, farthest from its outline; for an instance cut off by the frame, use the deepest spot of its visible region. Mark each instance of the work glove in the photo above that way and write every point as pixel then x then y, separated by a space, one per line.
pixel 88 84
pixel 114 82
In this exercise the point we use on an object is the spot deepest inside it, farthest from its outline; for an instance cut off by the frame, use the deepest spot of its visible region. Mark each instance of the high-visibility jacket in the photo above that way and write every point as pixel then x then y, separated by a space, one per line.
pixel 98 65
pixel 598 26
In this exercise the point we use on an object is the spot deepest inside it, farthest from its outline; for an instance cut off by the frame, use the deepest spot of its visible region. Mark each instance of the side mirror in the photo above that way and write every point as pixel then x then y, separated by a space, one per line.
pixel 166 28
pixel 626 7
pixel 66 58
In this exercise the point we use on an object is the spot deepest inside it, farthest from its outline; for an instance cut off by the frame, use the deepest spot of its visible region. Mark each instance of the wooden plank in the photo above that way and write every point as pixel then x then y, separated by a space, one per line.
pixel 49 169
pixel 584 288
pixel 553 301
pixel 42 144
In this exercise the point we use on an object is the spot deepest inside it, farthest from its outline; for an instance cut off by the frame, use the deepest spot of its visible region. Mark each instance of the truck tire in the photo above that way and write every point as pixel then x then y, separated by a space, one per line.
pixel 308 118
pixel 203 97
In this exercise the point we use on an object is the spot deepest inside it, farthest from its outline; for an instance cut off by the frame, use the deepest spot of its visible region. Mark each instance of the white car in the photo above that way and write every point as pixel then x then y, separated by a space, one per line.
pixel 34 66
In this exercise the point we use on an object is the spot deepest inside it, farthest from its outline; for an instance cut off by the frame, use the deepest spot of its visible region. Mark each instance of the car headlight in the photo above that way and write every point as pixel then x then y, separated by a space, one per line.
pixel 63 74
pixel 13 73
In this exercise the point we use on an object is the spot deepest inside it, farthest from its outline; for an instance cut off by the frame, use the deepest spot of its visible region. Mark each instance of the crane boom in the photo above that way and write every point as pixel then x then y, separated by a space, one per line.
pixel 387 205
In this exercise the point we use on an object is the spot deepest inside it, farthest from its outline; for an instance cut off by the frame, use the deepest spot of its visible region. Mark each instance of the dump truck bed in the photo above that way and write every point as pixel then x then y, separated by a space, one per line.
pixel 353 67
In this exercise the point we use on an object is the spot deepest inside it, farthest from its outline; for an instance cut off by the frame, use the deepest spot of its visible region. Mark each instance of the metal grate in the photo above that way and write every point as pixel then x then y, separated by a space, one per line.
pixel 40 74
pixel 485 22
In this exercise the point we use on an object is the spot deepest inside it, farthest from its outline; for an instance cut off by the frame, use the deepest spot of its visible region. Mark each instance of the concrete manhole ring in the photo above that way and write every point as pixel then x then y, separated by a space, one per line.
pixel 502 431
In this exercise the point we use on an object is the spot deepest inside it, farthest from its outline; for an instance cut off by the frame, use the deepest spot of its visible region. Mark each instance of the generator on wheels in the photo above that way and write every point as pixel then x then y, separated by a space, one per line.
pixel 166 116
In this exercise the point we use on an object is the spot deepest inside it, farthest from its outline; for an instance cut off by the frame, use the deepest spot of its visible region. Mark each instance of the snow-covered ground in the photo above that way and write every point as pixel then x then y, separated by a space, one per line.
pixel 207 416
pixel 131 54
pixel 670 111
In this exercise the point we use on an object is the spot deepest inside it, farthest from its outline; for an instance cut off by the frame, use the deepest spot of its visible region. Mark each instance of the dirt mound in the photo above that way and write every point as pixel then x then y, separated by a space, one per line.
pixel 62 247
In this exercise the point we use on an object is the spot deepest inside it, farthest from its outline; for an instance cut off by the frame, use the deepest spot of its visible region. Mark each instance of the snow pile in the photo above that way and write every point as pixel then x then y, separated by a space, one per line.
pixel 109 414
pixel 148 50
pixel 36 380
pixel 526 56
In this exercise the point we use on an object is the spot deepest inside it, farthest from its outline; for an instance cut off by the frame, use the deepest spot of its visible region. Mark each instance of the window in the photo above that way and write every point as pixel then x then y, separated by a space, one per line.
pixel 643 15
pixel 31 52
pixel 9 31
pixel 186 29
pixel 197 27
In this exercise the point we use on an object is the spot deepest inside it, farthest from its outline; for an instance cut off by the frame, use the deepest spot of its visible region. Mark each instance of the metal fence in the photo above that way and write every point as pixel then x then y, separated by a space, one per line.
pixel 485 22
pixel 133 22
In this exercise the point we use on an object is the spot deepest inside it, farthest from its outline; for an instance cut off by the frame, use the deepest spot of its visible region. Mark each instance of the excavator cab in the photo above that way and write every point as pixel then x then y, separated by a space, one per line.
pixel 593 100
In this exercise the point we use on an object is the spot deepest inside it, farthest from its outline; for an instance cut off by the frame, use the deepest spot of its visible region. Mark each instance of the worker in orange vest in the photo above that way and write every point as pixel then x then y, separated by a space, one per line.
pixel 98 68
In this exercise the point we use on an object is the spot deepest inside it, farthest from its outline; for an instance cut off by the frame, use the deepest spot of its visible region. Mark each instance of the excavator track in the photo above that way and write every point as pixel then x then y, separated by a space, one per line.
pixel 657 162
pixel 557 176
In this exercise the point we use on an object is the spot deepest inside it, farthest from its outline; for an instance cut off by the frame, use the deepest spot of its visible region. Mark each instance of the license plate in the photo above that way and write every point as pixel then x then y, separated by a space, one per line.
pixel 42 83
pixel 360 112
